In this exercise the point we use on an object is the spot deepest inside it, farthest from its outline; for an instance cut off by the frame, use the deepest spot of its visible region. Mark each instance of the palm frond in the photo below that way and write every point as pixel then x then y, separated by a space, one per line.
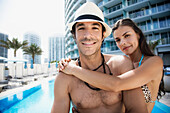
pixel 153 44
pixel 33 50
pixel 5 44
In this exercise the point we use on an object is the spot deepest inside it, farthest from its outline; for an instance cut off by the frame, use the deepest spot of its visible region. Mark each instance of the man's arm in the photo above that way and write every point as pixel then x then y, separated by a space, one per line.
pixel 61 95
pixel 134 101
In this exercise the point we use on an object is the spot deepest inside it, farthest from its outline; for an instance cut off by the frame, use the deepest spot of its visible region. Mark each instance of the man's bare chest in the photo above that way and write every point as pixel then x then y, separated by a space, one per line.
pixel 84 97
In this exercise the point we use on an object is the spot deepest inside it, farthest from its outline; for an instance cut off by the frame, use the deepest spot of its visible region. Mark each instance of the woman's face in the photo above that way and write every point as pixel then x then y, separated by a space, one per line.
pixel 126 39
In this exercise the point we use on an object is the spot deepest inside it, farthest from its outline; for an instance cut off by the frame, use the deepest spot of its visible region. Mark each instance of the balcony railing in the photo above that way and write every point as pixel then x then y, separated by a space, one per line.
pixel 112 9
pixel 130 2
pixel 100 4
pixel 145 12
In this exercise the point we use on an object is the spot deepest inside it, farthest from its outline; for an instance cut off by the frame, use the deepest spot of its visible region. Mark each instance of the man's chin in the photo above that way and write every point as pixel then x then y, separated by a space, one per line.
pixel 88 53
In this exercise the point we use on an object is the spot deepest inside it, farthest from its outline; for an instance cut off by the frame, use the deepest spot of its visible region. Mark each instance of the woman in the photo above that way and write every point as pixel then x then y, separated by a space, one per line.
pixel 148 67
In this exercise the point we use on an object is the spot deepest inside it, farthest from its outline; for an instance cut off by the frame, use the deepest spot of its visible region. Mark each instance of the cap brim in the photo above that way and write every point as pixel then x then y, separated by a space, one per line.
pixel 108 29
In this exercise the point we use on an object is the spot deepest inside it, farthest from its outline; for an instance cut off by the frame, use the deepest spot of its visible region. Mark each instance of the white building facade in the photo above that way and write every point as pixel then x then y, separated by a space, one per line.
pixel 32 38
pixel 56 48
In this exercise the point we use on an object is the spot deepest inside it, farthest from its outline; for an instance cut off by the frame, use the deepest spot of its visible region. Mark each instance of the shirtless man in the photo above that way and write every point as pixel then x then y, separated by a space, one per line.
pixel 89 30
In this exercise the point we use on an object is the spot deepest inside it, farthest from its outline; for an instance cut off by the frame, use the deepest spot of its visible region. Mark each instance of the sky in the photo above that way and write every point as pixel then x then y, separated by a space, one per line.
pixel 42 17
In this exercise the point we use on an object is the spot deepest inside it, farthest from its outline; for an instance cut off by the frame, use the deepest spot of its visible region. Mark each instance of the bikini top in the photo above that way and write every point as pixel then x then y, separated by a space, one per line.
pixel 145 89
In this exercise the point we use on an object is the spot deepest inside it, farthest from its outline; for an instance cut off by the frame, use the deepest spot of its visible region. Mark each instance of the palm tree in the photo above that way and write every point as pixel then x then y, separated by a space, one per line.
pixel 153 44
pixel 33 50
pixel 14 44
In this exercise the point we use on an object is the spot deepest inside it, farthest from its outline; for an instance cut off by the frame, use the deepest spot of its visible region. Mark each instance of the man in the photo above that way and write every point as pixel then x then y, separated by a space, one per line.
pixel 89 31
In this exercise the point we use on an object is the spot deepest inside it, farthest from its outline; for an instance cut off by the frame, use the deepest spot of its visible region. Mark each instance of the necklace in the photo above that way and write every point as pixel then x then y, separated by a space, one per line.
pixel 102 64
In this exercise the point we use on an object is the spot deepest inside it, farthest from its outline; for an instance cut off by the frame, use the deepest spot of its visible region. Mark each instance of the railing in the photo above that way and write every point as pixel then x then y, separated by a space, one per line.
pixel 130 2
pixel 114 8
pixel 100 4
pixel 154 9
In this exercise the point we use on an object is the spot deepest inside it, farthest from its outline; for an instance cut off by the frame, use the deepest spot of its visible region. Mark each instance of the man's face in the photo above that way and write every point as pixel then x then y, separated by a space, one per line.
pixel 88 37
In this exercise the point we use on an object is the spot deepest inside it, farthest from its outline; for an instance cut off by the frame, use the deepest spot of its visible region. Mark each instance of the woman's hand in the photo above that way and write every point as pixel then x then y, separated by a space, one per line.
pixel 63 63
pixel 67 65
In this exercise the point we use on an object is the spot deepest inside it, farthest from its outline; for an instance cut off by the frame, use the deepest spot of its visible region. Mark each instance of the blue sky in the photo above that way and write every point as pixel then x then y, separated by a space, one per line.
pixel 43 17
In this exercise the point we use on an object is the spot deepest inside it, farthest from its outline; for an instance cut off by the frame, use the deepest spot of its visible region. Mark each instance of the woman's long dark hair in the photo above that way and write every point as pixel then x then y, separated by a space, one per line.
pixel 144 47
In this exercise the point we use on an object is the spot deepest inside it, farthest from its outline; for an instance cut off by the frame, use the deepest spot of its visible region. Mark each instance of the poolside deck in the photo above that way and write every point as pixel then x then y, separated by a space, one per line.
pixel 12 91
pixel 166 99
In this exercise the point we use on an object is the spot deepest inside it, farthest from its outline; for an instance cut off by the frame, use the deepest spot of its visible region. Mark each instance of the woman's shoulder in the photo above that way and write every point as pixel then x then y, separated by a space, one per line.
pixel 153 62
pixel 153 59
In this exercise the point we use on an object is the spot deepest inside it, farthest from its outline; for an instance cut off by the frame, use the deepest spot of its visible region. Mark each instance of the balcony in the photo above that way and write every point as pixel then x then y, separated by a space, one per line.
pixel 137 4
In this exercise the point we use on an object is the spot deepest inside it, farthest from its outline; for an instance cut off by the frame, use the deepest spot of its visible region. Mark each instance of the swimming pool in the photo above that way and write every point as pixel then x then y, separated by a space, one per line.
pixel 42 99
pixel 38 102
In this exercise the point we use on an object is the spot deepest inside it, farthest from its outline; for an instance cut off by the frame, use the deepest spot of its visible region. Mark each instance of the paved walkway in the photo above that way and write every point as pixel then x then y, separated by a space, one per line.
pixel 166 99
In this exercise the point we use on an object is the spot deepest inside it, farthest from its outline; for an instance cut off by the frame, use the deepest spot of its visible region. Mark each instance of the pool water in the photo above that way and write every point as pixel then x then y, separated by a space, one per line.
pixel 40 101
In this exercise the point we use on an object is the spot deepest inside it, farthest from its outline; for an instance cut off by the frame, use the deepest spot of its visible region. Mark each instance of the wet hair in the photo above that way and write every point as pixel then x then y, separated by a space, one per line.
pixel 73 31
pixel 144 47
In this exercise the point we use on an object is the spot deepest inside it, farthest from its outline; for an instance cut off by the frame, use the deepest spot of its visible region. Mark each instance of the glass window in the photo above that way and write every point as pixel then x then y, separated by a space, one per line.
pixel 169 38
pixel 147 11
pixel 142 12
pixel 167 5
pixel 161 7
pixel 155 24
pixel 114 8
pixel 149 37
pixel 164 37
pixel 149 25
pixel 143 26
pixel 157 36
pixel 154 9
pixel 162 22
pixel 168 21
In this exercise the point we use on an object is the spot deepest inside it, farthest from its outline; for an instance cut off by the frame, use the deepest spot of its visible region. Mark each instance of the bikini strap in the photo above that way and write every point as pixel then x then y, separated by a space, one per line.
pixel 140 62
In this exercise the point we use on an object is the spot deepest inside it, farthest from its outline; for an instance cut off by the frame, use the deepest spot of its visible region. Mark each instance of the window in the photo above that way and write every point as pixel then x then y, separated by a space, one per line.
pixel 164 37
pixel 149 25
pixel 161 7
pixel 154 9
pixel 167 5
pixel 162 22
pixel 143 26
pixel 149 37
pixel 168 21
pixel 114 8
pixel 147 11
pixel 157 36
pixel 155 24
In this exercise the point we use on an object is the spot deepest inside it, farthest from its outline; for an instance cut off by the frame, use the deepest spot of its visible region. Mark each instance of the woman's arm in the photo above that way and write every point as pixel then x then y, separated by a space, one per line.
pixel 148 71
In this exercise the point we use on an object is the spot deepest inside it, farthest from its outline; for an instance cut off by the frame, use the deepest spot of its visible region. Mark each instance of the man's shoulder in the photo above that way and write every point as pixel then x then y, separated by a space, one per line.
pixel 120 63
pixel 120 59
pixel 62 77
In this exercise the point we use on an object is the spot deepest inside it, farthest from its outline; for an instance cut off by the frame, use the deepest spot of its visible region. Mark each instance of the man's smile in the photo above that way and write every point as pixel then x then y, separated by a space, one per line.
pixel 88 43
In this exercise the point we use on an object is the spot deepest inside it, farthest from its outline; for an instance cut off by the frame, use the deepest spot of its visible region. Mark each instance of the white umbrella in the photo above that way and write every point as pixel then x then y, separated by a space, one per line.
pixel 15 59
pixel 2 58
